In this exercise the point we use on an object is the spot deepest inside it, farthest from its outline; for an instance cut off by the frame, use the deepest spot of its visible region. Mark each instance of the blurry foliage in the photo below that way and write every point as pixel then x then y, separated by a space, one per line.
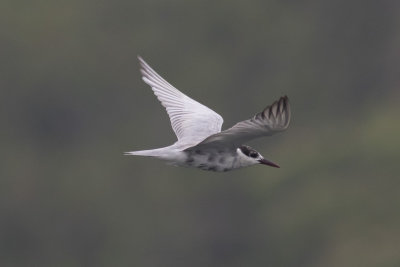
pixel 72 101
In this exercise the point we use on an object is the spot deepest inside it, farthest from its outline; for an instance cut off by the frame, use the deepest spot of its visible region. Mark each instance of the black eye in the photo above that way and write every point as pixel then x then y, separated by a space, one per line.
pixel 253 154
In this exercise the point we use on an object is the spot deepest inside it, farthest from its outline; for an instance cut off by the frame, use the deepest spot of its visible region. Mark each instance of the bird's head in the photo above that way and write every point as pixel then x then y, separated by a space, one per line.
pixel 249 156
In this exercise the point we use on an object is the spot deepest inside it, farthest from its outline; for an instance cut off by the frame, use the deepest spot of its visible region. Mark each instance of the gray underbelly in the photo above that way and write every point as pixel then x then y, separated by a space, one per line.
pixel 210 161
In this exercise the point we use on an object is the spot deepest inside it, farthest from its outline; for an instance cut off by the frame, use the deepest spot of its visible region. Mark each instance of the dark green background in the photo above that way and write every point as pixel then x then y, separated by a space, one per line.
pixel 72 101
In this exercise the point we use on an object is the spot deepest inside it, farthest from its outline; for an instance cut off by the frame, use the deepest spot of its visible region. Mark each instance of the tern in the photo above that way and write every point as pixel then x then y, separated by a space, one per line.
pixel 201 143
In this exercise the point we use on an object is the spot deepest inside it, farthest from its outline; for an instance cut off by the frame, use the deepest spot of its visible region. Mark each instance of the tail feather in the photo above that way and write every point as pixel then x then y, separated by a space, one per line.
pixel 147 153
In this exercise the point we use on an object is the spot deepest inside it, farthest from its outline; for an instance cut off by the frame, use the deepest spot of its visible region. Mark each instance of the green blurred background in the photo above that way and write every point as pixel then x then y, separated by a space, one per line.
pixel 72 101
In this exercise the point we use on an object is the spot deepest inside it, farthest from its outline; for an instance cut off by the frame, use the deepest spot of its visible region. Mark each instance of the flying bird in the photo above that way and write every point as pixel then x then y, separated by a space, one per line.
pixel 201 143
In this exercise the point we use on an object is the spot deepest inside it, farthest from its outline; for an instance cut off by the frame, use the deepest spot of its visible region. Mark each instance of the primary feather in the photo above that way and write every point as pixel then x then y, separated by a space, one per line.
pixel 191 121
pixel 272 119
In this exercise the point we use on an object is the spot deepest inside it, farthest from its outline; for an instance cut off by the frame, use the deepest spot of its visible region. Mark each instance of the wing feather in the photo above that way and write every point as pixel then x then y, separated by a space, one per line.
pixel 191 121
pixel 272 119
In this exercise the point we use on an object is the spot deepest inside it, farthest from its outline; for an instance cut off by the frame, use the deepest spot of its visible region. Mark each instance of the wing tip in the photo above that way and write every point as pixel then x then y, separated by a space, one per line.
pixel 283 99
pixel 286 111
pixel 144 65
pixel 278 112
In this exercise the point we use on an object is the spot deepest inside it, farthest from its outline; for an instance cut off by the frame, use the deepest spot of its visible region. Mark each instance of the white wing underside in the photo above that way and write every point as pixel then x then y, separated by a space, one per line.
pixel 191 121
pixel 197 126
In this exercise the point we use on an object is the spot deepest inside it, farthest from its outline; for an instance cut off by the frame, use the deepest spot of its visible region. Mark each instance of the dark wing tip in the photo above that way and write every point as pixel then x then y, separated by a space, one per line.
pixel 278 113
pixel 285 112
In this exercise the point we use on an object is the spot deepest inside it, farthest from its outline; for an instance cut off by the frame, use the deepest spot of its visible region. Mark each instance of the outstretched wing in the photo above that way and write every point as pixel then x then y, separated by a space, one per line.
pixel 272 119
pixel 191 121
